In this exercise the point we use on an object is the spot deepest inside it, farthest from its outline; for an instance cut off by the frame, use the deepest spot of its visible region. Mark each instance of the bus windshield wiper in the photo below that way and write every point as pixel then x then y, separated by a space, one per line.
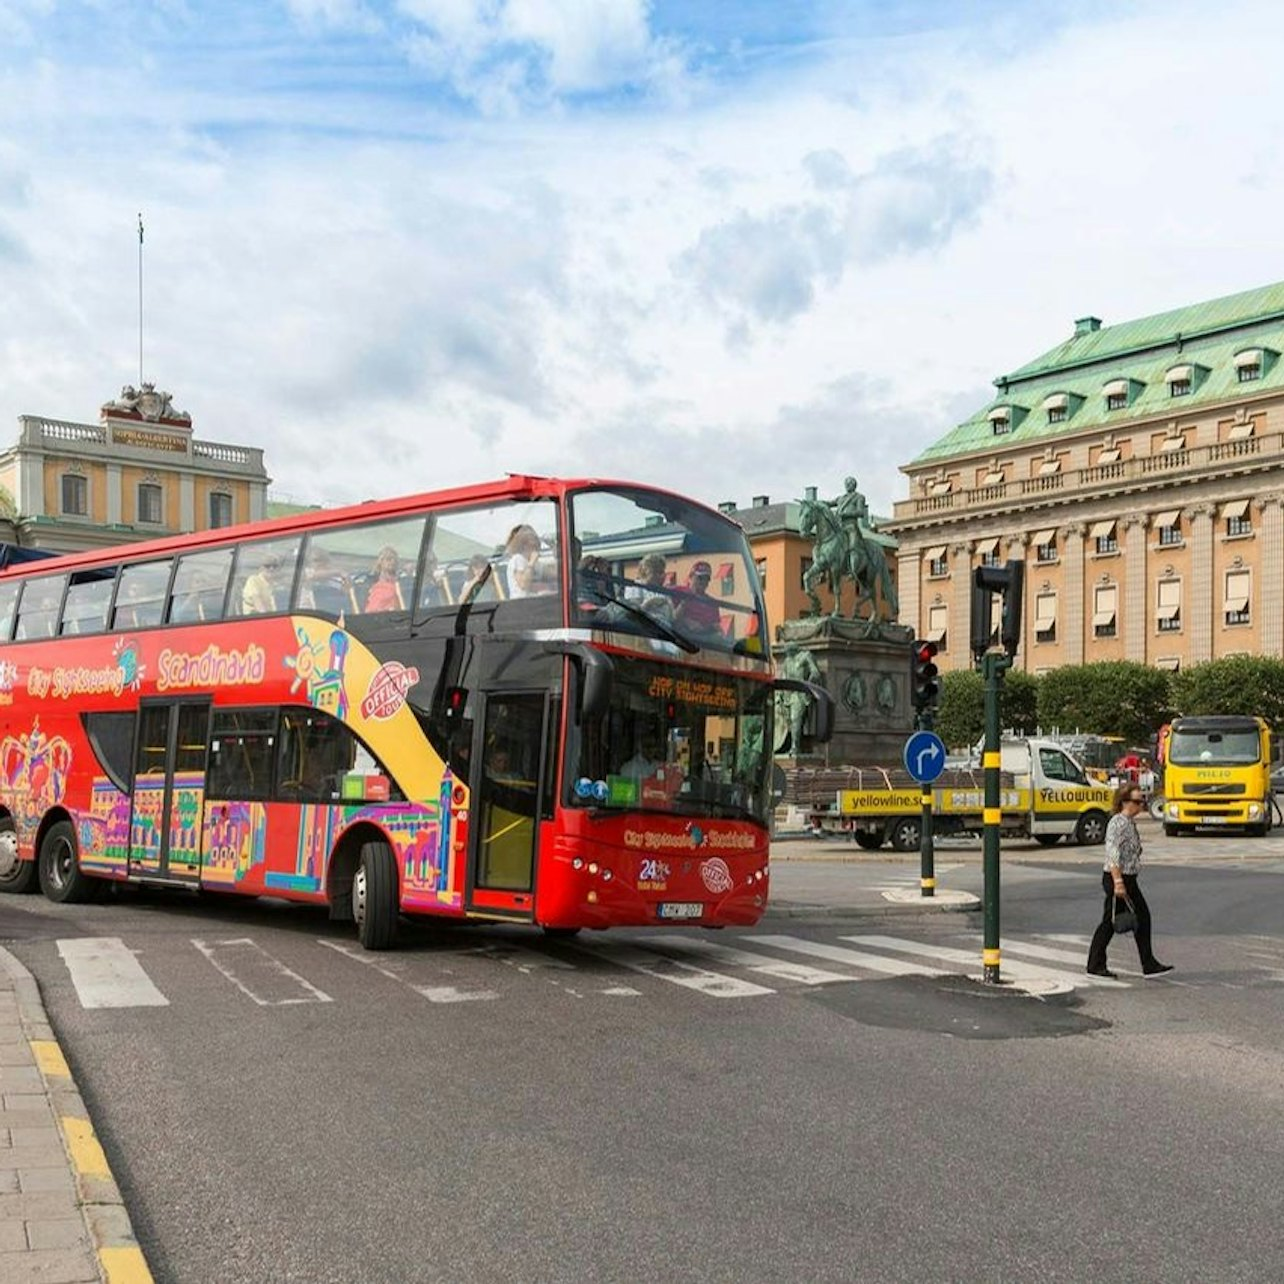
pixel 654 626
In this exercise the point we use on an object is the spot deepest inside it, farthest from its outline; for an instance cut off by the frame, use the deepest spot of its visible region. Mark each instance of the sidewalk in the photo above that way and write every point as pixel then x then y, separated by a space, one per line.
pixel 62 1220
pixel 812 878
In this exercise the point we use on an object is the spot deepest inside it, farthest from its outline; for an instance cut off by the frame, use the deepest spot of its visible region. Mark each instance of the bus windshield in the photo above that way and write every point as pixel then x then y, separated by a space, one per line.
pixel 1214 748
pixel 676 740
pixel 664 567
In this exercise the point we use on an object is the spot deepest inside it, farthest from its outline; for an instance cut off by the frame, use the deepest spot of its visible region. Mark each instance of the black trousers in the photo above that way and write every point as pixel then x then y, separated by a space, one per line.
pixel 1101 938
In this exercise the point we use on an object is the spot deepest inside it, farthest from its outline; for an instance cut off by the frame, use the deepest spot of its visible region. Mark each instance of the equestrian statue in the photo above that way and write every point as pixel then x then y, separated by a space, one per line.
pixel 842 551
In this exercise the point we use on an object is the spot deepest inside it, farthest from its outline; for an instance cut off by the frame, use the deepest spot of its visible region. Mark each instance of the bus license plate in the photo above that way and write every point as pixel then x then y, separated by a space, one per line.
pixel 680 909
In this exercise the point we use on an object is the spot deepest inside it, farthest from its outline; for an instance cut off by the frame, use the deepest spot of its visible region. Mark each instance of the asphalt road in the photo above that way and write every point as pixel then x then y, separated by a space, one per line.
pixel 487 1104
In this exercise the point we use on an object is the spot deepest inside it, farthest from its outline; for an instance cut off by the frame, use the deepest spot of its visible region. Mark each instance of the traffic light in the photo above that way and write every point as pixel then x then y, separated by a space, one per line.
pixel 925 686
pixel 1008 580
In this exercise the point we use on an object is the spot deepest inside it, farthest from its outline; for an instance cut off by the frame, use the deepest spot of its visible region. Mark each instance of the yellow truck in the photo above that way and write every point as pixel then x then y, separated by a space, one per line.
pixel 1045 794
pixel 1217 772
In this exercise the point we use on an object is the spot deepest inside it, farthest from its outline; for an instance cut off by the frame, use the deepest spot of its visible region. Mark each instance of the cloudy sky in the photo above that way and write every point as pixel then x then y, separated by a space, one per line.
pixel 736 247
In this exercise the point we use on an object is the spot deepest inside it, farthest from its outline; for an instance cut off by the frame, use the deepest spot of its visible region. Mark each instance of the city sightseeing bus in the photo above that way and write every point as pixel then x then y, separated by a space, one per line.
pixel 422 706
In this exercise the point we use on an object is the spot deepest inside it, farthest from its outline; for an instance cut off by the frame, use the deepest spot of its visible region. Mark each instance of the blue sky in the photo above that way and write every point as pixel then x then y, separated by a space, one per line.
pixel 735 248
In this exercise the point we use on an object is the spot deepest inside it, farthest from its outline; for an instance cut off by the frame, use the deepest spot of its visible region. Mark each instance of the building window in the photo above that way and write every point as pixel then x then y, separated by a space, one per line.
pixel 938 618
pixel 1168 609
pixel 987 551
pixel 1105 606
pixel 1045 546
pixel 937 568
pixel 761 565
pixel 1056 414
pixel 1238 594
pixel 1249 371
pixel 1169 527
pixel 1179 388
pixel 149 503
pixel 1045 617
pixel 1116 401
pixel 1104 535
pixel 75 495
pixel 727 578
pixel 220 509
pixel 1239 521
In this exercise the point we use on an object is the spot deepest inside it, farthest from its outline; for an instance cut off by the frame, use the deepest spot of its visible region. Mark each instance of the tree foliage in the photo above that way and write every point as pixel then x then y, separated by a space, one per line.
pixel 1248 684
pixel 1111 698
pixel 961 720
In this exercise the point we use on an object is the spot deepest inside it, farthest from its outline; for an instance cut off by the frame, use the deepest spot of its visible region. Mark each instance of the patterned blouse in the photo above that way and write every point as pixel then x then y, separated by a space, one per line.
pixel 1123 844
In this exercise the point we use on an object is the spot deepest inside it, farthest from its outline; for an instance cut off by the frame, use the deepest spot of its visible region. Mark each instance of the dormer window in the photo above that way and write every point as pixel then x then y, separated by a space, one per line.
pixel 1116 394
pixel 1000 420
pixel 1180 380
pixel 1248 365
pixel 1057 407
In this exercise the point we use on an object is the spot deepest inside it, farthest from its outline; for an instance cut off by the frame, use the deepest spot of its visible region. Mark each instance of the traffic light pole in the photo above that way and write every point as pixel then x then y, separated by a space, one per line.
pixel 994 665
pixel 926 852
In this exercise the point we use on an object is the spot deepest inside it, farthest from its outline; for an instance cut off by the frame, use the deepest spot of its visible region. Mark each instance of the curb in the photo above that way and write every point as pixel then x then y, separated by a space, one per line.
pixel 120 1259
pixel 921 907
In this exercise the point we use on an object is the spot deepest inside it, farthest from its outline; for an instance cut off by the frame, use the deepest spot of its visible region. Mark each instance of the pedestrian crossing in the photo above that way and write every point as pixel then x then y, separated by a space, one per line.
pixel 110 973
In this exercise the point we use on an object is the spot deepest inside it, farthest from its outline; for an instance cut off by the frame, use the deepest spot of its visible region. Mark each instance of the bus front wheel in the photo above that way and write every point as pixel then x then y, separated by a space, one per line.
pixel 59 866
pixel 374 897
pixel 15 875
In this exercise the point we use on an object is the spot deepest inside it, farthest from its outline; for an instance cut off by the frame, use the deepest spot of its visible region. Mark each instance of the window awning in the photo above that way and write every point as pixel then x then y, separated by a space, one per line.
pixel 1249 357
pixel 1109 456
pixel 1169 444
pixel 1172 663
pixel 1039 538
pixel 1169 518
pixel 984 547
pixel 1102 618
pixel 1045 610
pixel 1236 604
pixel 1102 530
pixel 941 487
pixel 1239 432
pixel 999 412
pixel 726 570
pixel 992 479
pixel 1179 373
pixel 1057 401
pixel 1236 508
pixel 934 554
pixel 1049 466
pixel 1116 388
pixel 936 635
pixel 1168 610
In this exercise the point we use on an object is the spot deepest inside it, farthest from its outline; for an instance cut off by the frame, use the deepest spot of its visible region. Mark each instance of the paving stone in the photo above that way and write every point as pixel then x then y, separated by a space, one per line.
pixel 16 1054
pixel 35 1114
pixel 52 1266
pixel 49 1155
pixel 34 1135
pixel 13 1239
pixel 36 1180
pixel 22 1100
pixel 10 1180
pixel 20 1079
pixel 58 1232
pixel 39 1205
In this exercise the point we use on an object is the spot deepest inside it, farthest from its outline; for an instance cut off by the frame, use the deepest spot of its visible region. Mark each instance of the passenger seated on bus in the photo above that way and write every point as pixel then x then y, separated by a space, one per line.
pixel 697 613
pixel 435 590
pixel 647 591
pixel 325 588
pixel 592 583
pixel 385 593
pixel 258 593
pixel 481 584
pixel 528 572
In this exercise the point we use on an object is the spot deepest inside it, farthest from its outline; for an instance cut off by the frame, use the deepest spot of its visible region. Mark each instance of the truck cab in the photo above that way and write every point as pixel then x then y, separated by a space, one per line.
pixel 1064 800
pixel 1217 772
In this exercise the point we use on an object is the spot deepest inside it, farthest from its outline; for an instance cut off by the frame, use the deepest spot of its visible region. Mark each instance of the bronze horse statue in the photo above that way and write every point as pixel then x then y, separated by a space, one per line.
pixel 837 558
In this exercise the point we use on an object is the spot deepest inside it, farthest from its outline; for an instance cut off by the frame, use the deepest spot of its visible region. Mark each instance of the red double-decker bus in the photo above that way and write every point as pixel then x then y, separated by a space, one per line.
pixel 536 700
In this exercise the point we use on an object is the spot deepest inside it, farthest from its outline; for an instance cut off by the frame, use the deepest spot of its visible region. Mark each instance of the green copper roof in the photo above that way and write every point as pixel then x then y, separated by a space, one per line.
pixel 1205 335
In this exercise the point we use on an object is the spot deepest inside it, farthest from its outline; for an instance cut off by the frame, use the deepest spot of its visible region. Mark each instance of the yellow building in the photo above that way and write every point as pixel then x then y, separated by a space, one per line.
pixel 1138 471
pixel 135 474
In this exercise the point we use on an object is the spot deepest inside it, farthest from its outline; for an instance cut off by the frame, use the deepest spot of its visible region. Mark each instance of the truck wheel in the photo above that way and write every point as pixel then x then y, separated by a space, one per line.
pixel 15 875
pixel 374 897
pixel 59 866
pixel 1156 807
pixel 870 842
pixel 1047 840
pixel 907 834
pixel 1091 829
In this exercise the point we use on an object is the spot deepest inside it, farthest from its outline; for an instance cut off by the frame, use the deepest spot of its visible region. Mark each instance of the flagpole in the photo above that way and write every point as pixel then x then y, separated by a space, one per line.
pixel 140 297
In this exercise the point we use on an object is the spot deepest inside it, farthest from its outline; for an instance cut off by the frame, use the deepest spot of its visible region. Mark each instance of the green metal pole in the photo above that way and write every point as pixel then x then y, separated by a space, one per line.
pixel 993 666
pixel 926 852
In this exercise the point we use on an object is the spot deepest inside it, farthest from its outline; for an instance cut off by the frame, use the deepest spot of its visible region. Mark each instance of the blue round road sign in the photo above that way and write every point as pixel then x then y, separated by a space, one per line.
pixel 924 756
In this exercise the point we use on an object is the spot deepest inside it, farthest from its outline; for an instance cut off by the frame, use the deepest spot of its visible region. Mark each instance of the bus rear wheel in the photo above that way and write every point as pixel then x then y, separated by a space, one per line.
pixel 59 867
pixel 374 897
pixel 15 875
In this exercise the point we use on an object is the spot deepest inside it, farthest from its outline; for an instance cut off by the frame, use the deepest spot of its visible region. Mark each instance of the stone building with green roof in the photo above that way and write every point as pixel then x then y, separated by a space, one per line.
pixel 1138 469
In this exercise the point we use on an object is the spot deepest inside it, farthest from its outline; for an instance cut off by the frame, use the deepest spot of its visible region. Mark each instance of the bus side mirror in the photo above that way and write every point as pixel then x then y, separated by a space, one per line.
pixel 822 705
pixel 596 675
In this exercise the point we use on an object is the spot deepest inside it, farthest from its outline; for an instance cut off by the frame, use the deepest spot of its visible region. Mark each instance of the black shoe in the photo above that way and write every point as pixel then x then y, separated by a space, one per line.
pixel 1102 971
pixel 1156 969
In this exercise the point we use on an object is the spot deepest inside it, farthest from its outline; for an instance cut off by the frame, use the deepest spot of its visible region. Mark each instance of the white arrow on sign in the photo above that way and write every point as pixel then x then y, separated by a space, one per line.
pixel 929 753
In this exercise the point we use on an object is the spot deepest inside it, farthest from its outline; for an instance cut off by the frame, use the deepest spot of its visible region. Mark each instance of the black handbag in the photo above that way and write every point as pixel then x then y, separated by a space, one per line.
pixel 1123 920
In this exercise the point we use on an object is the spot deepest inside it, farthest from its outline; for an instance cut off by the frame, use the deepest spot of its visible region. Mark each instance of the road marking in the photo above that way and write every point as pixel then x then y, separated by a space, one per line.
pixel 840 954
pixel 711 984
pixel 397 972
pixel 107 975
pixel 782 969
pixel 1013 971
pixel 255 972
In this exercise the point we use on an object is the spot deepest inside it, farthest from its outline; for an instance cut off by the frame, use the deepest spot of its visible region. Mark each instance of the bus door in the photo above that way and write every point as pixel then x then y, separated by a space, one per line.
pixel 169 789
pixel 507 786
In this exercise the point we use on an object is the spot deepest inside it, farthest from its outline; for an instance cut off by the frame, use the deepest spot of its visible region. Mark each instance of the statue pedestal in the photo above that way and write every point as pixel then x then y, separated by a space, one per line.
pixel 866 668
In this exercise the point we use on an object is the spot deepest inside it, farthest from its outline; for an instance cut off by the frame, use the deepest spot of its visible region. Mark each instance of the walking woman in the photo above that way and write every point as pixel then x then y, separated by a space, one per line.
pixel 1119 881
